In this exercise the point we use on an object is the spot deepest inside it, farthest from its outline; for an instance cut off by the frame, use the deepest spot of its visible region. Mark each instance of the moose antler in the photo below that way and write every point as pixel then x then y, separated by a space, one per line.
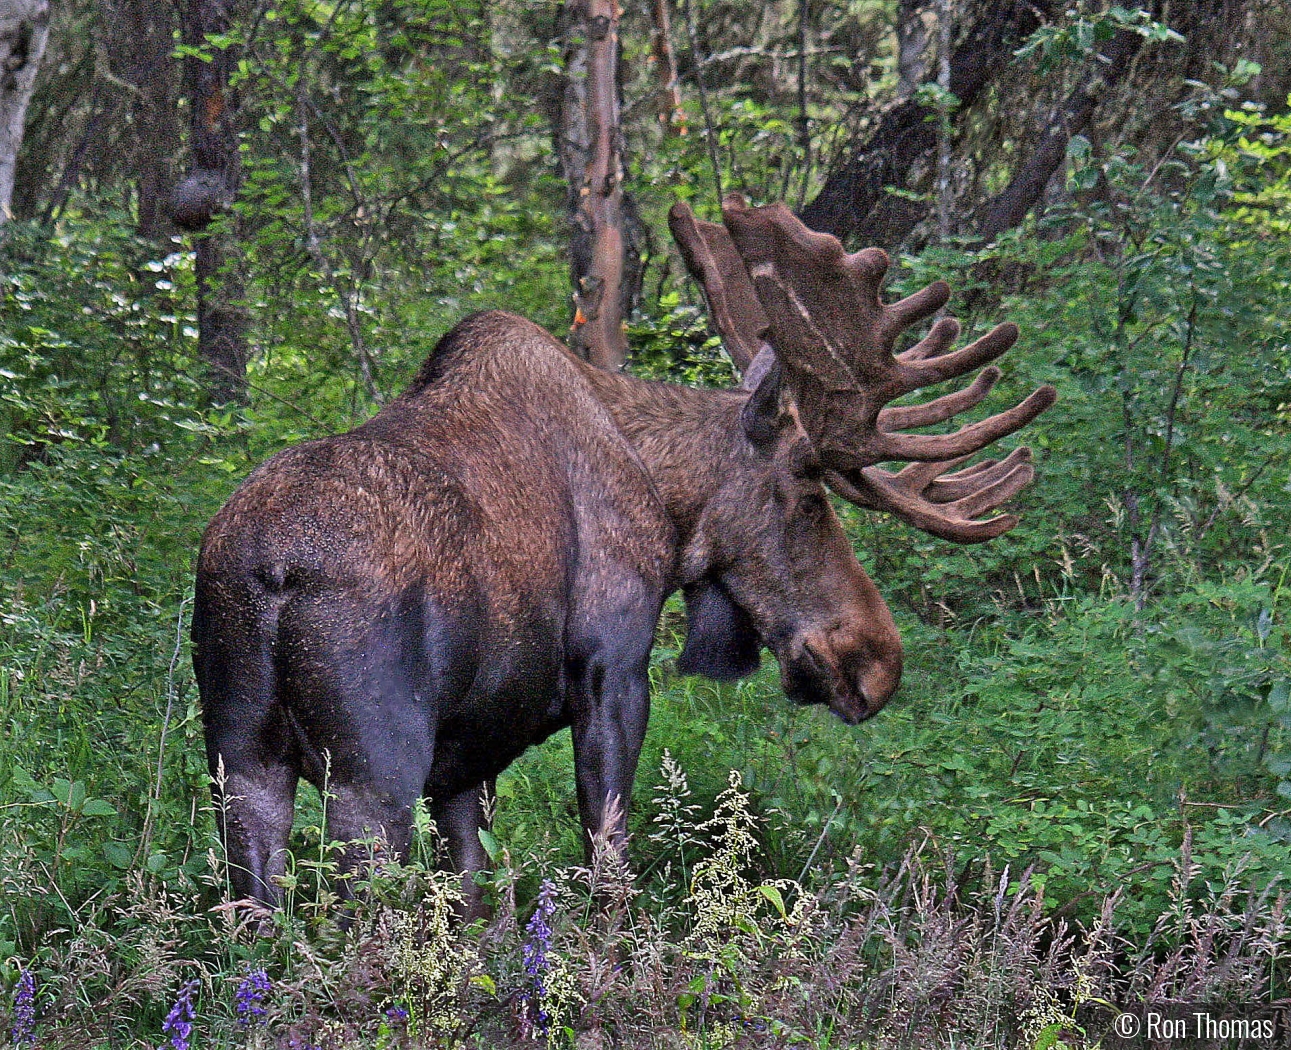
pixel 733 305
pixel 835 340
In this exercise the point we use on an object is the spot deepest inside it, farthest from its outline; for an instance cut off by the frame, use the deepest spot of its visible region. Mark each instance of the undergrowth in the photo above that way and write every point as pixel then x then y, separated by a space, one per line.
pixel 921 953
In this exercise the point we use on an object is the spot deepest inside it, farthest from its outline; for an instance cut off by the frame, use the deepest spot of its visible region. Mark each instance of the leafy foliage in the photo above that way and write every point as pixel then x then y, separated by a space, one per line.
pixel 1096 717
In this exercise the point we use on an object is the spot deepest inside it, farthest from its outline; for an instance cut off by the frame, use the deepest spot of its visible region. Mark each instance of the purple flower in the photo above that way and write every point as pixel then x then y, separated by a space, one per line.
pixel 397 1014
pixel 179 1022
pixel 24 1010
pixel 250 997
pixel 536 948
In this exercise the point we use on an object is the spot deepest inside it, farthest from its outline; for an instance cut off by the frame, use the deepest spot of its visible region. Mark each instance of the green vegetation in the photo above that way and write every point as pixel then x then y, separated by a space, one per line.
pixel 1082 793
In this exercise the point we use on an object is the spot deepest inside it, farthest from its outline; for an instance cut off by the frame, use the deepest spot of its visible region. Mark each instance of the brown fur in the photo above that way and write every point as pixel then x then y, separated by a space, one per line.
pixel 403 609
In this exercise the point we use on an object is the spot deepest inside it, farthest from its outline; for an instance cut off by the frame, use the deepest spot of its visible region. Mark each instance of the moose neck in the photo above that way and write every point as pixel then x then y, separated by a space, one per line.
pixel 689 439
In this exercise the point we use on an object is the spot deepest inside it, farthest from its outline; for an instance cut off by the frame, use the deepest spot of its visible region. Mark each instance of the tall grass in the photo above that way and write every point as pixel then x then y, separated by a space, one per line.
pixel 926 952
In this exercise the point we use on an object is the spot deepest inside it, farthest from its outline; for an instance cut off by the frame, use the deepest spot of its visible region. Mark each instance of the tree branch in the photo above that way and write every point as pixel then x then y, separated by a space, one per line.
pixel 1010 207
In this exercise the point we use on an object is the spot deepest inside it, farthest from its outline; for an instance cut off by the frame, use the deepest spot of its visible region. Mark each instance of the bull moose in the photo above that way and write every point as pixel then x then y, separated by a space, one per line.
pixel 400 611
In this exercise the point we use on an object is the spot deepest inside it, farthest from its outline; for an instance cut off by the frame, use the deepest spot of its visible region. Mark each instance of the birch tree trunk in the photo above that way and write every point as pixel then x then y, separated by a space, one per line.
pixel 24 32
pixel 604 262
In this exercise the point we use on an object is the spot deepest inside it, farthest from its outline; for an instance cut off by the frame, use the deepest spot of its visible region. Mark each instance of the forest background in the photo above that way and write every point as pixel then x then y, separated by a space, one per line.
pixel 1083 794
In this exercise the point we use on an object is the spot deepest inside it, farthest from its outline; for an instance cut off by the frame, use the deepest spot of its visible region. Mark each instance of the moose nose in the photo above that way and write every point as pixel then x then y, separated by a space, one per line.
pixel 855 682
pixel 877 678
pixel 868 674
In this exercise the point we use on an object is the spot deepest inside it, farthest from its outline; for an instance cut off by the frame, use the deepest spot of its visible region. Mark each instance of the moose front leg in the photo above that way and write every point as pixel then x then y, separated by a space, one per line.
pixel 610 693
pixel 460 819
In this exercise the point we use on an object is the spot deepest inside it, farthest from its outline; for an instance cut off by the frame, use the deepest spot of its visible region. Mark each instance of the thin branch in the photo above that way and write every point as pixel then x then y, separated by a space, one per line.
pixel 648 98
pixel 323 427
pixel 804 121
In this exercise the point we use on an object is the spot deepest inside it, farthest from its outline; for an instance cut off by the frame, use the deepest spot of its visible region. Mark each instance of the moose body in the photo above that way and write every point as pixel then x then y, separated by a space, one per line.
pixel 398 612
pixel 402 610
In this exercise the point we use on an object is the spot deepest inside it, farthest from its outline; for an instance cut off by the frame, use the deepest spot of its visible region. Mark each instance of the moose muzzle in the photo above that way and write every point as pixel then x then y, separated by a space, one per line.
pixel 854 681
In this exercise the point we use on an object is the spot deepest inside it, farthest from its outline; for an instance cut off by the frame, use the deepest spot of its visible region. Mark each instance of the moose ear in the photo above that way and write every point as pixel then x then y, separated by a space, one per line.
pixel 721 642
pixel 763 414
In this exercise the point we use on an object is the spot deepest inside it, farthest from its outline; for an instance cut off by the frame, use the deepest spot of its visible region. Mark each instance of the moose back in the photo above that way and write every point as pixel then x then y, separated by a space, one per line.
pixel 400 611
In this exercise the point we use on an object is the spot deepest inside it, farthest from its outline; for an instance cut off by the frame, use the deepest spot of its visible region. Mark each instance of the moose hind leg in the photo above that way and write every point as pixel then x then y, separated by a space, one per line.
pixel 374 824
pixel 254 804
pixel 250 749
pixel 363 704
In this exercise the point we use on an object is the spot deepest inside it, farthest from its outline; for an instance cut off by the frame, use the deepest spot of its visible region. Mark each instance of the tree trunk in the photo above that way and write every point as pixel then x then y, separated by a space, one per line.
pixel 854 201
pixel 24 32
pixel 914 33
pixel 153 72
pixel 604 262
pixel 671 116
pixel 1010 207
pixel 208 189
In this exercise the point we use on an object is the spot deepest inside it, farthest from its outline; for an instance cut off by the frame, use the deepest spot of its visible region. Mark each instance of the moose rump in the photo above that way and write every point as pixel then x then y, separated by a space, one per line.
pixel 400 611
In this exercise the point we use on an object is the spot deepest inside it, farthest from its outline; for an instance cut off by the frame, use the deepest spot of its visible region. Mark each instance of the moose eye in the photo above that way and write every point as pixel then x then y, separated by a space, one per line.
pixel 811 507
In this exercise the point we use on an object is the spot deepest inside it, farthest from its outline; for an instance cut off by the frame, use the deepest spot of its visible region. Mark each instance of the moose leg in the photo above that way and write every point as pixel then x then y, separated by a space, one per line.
pixel 362 702
pixel 375 772
pixel 254 796
pixel 374 821
pixel 249 746
pixel 609 690
pixel 460 819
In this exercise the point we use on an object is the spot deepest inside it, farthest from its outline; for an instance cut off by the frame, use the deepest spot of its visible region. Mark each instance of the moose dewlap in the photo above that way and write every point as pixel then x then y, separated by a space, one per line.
pixel 400 611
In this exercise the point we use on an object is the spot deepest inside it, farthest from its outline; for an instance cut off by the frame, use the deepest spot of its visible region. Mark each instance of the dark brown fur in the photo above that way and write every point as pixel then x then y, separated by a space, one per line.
pixel 402 610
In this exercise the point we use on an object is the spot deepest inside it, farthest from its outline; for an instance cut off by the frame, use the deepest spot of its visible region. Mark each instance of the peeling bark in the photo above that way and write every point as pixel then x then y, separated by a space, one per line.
pixel 24 32
pixel 604 263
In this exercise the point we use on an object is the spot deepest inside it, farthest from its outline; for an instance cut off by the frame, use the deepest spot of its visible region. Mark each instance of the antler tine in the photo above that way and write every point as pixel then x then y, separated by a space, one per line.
pixel 943 408
pixel 835 338
pixel 711 258
pixel 948 488
pixel 947 507
pixel 967 439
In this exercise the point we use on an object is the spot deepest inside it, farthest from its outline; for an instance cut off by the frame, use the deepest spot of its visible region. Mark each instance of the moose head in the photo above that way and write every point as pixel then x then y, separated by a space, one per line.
pixel 806 325
pixel 400 611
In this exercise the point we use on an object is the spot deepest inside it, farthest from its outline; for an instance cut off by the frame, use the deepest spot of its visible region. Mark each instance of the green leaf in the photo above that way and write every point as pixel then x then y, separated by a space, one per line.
pixel 1048 1038
pixel 772 893
pixel 118 854
pixel 491 845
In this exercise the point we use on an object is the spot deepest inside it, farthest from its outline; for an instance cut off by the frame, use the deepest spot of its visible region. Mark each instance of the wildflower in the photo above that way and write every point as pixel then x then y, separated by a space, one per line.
pixel 179 1022
pixel 24 1010
pixel 535 959
pixel 397 1014
pixel 250 997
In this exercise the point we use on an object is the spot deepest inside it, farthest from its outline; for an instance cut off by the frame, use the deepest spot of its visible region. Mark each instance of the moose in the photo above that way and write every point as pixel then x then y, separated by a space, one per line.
pixel 399 611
